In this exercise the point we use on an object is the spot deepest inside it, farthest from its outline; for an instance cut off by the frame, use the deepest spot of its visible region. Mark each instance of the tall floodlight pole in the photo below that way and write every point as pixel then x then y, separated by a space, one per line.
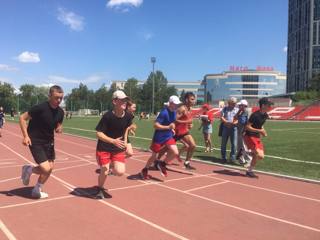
pixel 153 61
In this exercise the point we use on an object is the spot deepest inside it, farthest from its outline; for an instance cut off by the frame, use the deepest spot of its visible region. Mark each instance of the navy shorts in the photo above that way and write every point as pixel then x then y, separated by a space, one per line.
pixel 43 152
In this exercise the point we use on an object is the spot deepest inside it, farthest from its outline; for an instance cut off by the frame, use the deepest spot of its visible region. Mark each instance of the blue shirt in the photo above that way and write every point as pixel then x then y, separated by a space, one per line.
pixel 165 117
pixel 229 113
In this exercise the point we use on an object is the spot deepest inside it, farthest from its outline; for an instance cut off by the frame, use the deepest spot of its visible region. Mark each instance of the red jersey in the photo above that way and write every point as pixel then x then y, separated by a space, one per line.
pixel 183 128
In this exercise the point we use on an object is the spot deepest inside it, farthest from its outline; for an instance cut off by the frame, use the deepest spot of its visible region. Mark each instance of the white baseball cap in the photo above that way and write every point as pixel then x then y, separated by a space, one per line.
pixel 119 95
pixel 243 102
pixel 174 99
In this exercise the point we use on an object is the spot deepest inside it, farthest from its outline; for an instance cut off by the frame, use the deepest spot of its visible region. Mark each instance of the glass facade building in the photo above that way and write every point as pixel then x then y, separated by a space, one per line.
pixel 243 84
pixel 303 60
pixel 196 87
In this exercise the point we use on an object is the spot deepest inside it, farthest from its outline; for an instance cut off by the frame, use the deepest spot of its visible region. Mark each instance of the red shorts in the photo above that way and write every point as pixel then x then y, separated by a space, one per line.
pixel 253 143
pixel 104 158
pixel 156 147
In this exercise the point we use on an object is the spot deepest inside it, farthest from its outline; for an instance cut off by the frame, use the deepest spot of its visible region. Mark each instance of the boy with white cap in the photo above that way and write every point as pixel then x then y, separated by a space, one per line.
pixel 163 137
pixel 111 146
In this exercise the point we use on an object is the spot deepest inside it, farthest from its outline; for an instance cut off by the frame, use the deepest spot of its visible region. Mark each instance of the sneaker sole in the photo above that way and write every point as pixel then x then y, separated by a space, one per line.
pixel 23 176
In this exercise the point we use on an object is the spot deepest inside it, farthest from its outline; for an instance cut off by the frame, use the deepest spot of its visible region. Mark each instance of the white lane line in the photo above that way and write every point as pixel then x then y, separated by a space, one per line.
pixel 243 209
pixel 36 202
pixel 72 188
pixel 11 166
pixel 9 179
pixel 71 167
pixel 269 190
pixel 232 167
pixel 6 163
pixel 266 189
pixel 243 184
pixel 6 231
pixel 210 185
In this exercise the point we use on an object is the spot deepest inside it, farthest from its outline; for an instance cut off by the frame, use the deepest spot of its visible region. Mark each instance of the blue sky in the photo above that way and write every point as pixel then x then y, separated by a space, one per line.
pixel 94 42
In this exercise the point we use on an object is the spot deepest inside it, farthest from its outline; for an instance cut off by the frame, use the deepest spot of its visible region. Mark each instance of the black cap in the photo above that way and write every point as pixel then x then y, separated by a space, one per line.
pixel 265 101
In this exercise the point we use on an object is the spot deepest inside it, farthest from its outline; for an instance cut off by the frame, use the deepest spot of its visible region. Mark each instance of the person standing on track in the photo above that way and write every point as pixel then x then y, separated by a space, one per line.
pixel 254 131
pixel 2 120
pixel 163 137
pixel 44 119
pixel 229 129
pixel 111 145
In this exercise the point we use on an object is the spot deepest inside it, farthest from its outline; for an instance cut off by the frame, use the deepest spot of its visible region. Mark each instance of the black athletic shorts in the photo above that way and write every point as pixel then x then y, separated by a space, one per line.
pixel 43 152
pixel 179 137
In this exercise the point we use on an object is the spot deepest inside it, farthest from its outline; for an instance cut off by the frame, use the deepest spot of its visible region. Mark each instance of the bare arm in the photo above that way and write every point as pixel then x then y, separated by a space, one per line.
pixel 115 141
pixel 252 129
pixel 24 118
pixel 59 128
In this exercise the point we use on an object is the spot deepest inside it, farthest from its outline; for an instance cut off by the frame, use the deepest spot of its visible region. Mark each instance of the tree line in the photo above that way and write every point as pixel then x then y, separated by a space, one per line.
pixel 83 98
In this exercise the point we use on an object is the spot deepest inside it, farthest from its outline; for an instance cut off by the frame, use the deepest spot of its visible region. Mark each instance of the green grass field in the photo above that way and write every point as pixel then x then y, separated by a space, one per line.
pixel 291 148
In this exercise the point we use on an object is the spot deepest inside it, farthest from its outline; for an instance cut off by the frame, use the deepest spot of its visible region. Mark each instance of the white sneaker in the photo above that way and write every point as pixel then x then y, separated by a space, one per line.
pixel 242 161
pixel 25 174
pixel 38 194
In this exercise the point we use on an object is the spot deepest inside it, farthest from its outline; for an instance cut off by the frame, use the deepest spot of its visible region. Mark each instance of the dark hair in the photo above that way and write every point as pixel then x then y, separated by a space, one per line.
pixel 187 95
pixel 265 101
pixel 129 102
pixel 55 88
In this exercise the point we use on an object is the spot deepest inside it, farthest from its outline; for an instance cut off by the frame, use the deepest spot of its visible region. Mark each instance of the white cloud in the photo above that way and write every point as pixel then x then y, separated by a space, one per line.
pixel 29 57
pixel 4 67
pixel 74 21
pixel 285 49
pixel 62 79
pixel 117 4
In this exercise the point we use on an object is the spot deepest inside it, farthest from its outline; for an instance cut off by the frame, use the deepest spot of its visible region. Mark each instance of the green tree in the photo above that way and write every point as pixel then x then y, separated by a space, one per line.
pixel 102 98
pixel 28 96
pixel 7 97
pixel 80 98
pixel 131 89
pixel 161 92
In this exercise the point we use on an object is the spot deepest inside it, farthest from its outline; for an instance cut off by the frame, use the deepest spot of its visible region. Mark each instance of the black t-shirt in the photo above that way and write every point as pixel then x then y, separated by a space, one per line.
pixel 44 120
pixel 113 127
pixel 257 119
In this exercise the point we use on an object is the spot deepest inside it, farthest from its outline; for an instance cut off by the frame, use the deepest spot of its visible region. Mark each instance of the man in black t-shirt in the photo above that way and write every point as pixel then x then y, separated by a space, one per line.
pixel 44 119
pixel 111 146
pixel 254 131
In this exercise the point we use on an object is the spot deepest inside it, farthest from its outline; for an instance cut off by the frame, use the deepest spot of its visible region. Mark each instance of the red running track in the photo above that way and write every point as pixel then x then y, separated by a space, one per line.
pixel 210 203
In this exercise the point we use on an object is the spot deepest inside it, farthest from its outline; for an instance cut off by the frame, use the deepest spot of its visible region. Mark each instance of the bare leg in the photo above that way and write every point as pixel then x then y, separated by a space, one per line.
pixel 119 168
pixel 104 170
pixel 129 150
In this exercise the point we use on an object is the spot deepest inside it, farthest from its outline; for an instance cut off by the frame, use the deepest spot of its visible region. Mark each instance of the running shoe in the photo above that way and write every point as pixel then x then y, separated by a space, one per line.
pixel 189 167
pixel 38 194
pixel 102 194
pixel 251 174
pixel 144 174
pixel 161 166
pixel 25 174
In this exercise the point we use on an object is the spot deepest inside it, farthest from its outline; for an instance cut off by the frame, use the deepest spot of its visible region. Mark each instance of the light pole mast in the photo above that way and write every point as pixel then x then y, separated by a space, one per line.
pixel 153 61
